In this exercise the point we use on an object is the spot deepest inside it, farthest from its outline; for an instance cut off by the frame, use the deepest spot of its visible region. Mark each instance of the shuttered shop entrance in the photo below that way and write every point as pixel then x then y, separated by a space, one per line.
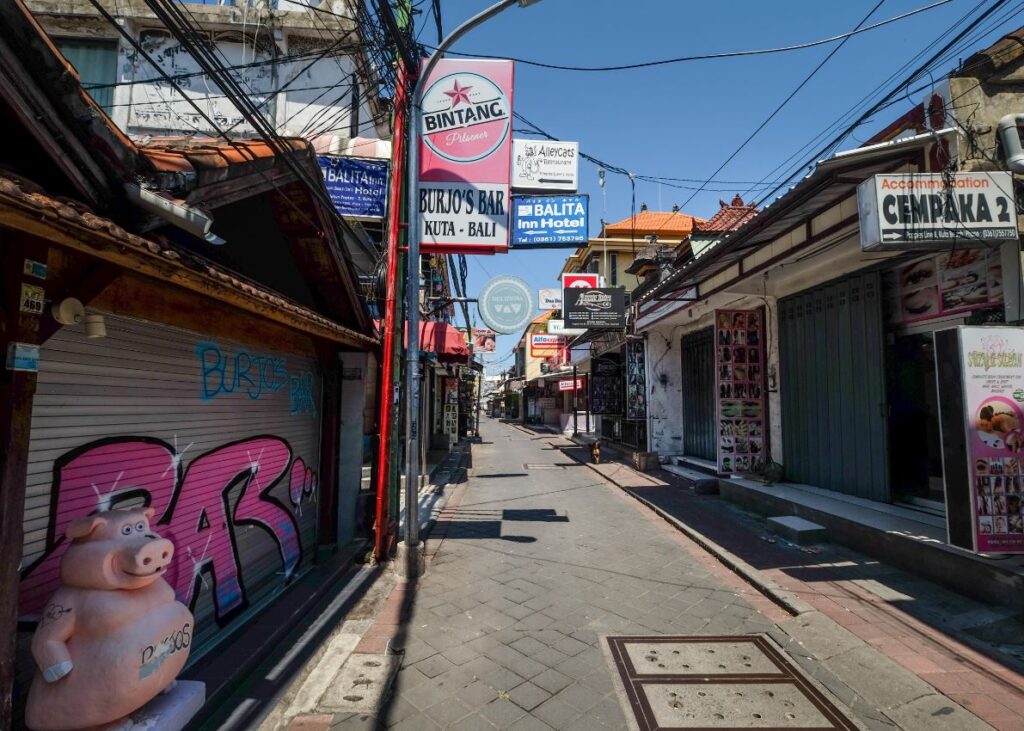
pixel 221 439
pixel 698 382
pixel 832 387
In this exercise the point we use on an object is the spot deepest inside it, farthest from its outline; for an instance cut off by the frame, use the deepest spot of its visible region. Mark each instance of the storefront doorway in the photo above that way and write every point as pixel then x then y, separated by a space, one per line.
pixel 698 385
pixel 915 448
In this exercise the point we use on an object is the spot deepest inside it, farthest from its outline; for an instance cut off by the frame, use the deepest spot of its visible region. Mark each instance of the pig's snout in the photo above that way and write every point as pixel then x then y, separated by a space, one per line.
pixel 152 557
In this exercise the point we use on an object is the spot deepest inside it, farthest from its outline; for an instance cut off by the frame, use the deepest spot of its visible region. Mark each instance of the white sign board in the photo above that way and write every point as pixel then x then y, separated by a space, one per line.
pixel 909 211
pixel 463 214
pixel 549 299
pixel 557 327
pixel 544 165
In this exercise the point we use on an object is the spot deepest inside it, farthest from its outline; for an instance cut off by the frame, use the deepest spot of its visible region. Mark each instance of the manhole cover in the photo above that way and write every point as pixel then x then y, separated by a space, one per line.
pixel 717 683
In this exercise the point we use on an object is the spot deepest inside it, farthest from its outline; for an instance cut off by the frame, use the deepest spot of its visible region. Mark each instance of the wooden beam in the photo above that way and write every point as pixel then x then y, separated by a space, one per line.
pixel 167 266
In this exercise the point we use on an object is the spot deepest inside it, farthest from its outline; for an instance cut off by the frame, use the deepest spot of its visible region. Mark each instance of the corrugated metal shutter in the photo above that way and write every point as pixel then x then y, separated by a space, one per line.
pixel 224 439
pixel 832 387
pixel 96 64
pixel 698 370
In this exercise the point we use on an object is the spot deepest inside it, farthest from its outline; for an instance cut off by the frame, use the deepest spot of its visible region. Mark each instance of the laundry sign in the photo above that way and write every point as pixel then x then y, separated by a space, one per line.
pixel 931 210
pixel 465 157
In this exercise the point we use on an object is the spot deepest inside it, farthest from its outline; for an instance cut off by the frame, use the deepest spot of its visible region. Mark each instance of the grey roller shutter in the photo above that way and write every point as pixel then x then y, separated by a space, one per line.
pixel 832 387
pixel 698 381
pixel 222 439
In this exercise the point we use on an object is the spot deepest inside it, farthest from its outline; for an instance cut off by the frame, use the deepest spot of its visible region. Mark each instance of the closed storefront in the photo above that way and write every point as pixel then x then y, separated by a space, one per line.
pixel 698 394
pixel 833 387
pixel 221 439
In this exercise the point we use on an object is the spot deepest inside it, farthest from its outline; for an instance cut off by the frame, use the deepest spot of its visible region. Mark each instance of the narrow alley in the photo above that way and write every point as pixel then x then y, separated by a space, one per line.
pixel 538 565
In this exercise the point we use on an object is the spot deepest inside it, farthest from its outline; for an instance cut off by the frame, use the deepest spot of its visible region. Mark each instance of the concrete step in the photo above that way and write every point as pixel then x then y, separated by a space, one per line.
pixel 798 530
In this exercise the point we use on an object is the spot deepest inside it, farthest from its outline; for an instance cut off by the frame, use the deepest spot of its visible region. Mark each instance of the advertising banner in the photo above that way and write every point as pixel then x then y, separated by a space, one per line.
pixel 740 367
pixel 550 221
pixel 549 299
pixel 465 157
pixel 578 280
pixel 906 211
pixel 484 341
pixel 982 420
pixel 595 309
pixel 943 284
pixel 543 345
pixel 566 384
pixel 545 165
pixel 636 380
pixel 357 187
pixel 557 327
pixel 606 388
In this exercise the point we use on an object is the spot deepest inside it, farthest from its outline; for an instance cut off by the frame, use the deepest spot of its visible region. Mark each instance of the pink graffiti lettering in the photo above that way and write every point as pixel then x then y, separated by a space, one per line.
pixel 194 505
pixel 302 485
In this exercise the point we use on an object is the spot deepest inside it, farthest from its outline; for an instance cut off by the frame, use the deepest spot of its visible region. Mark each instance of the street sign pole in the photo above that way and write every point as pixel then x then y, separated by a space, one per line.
pixel 412 429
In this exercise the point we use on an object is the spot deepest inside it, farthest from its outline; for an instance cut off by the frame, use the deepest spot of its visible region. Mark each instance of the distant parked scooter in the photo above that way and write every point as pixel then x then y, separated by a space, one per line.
pixel 595 451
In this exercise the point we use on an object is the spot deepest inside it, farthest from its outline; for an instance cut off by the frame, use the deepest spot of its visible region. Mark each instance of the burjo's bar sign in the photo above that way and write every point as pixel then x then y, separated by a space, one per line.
pixel 465 157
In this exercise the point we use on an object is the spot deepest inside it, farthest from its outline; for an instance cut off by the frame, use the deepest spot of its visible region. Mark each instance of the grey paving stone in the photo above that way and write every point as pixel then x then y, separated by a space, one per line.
pixel 528 645
pixel 417 722
pixel 503 679
pixel 354 722
pixel 570 646
pixel 447 712
pixel 527 667
pixel 434 666
pixel 551 680
pixel 556 713
pixel 502 712
pixel 580 696
pixel 460 654
pixel 529 723
pixel 472 723
pixel 528 696
pixel 477 694
pixel 480 666
pixel 549 656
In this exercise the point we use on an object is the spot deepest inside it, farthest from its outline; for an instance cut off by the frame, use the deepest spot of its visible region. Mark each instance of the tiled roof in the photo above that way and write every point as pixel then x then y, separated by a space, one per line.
pixel 1004 51
pixel 729 217
pixel 663 224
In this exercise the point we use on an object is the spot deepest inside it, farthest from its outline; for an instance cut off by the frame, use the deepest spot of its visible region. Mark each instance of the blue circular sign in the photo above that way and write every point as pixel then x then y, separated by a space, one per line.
pixel 506 304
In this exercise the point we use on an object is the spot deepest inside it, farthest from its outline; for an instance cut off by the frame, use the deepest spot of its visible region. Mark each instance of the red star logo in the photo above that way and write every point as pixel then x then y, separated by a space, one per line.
pixel 459 94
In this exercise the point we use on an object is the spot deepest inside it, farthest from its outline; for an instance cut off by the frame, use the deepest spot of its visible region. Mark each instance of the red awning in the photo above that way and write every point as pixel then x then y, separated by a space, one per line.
pixel 441 338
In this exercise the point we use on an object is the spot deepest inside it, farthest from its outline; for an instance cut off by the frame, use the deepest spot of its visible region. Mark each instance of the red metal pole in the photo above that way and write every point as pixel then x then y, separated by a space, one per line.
pixel 387 386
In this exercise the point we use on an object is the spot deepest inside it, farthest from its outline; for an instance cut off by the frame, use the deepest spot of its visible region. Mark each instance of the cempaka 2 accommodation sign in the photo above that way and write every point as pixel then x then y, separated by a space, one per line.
pixel 909 211
pixel 465 157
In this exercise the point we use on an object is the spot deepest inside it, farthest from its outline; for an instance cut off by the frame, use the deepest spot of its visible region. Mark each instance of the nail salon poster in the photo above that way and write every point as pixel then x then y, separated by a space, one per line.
pixel 739 364
pixel 993 382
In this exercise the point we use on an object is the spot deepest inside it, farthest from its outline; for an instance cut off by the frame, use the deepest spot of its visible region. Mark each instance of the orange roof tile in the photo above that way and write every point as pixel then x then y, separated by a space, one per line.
pixel 664 224
pixel 729 217
pixel 182 154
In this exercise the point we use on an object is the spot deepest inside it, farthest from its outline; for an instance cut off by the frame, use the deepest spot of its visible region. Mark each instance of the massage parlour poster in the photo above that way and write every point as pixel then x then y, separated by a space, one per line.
pixel 993 383
pixel 739 364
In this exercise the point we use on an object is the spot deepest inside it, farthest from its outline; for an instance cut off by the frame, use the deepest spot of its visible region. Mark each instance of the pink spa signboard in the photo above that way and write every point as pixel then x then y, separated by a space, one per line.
pixel 981 412
pixel 465 157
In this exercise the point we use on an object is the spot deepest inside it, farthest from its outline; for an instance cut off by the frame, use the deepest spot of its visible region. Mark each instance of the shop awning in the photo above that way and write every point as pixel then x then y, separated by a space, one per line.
pixel 441 338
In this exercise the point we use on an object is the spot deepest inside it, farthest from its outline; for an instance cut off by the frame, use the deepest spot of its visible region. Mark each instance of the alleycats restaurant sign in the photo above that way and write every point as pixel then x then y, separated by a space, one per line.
pixel 465 157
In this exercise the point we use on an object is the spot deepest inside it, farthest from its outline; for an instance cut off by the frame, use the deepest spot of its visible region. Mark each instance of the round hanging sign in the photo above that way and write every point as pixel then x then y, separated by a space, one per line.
pixel 506 304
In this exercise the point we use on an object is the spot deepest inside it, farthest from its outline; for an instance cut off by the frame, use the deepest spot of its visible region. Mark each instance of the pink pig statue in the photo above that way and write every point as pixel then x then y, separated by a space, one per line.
pixel 113 636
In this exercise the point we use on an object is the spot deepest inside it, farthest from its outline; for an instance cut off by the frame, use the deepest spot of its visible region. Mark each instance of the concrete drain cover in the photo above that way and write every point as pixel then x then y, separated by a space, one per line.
pixel 717 683
pixel 361 684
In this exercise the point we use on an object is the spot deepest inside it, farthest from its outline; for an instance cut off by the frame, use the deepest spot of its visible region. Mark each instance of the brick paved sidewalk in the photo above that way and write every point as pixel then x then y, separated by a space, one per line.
pixel 535 560
pixel 910 620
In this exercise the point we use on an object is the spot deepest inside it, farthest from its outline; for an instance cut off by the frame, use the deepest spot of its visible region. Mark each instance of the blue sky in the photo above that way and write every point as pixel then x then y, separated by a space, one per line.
pixel 684 120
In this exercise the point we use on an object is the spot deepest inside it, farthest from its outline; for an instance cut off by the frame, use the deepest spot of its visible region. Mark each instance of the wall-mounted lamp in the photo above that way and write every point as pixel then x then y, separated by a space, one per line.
pixel 69 311
pixel 95 326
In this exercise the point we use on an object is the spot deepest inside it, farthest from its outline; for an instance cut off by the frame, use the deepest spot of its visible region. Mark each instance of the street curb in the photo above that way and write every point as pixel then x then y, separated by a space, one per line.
pixel 789 601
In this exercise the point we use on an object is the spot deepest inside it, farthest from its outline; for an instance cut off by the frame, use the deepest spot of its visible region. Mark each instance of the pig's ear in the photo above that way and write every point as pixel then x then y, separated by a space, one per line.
pixel 81 527
pixel 149 513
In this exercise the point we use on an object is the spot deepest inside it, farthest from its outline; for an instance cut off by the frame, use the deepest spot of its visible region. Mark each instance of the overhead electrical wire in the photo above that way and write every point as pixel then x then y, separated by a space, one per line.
pixel 782 105
pixel 712 56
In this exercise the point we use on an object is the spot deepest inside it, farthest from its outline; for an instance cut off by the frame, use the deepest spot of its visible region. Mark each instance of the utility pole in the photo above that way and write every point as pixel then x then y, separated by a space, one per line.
pixel 387 454
pixel 410 552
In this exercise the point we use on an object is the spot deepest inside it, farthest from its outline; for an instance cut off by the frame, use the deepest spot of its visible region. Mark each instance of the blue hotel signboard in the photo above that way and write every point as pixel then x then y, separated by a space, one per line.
pixel 358 187
pixel 550 221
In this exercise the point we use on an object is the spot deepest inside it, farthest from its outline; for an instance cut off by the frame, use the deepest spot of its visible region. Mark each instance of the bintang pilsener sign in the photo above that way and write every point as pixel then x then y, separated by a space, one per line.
pixel 594 309
pixel 465 157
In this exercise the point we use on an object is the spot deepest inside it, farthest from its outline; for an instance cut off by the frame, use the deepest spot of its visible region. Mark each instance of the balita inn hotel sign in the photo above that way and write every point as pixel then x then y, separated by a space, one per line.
pixel 934 211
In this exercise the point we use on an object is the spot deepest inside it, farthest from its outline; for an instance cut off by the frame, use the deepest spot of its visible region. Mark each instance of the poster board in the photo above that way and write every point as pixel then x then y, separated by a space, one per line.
pixel 740 372
pixel 981 392
pixel 939 285
pixel 636 380
pixel 606 388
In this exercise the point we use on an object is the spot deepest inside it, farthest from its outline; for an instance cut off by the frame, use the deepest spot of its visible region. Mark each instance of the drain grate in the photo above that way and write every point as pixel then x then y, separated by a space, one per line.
pixel 718 683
